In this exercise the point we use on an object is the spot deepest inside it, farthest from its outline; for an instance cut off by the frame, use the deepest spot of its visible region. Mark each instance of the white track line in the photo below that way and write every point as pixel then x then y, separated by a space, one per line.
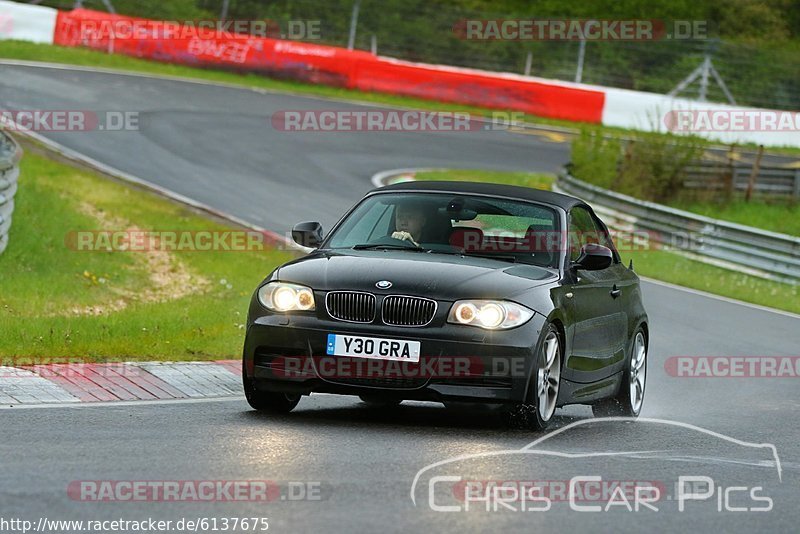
pixel 729 300
pixel 231 398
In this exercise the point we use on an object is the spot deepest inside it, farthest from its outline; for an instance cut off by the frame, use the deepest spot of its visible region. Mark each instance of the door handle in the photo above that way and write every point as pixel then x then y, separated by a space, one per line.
pixel 615 292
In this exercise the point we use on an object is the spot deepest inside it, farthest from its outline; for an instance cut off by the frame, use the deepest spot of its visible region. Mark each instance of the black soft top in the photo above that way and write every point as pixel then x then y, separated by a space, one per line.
pixel 565 202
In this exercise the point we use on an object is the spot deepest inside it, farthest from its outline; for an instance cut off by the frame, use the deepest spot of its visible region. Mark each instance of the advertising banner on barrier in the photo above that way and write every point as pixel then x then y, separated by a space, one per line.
pixel 329 65
pixel 201 45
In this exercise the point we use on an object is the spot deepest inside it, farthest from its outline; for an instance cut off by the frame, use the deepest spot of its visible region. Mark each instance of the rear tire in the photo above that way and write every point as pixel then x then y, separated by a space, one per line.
pixel 628 401
pixel 268 401
pixel 538 410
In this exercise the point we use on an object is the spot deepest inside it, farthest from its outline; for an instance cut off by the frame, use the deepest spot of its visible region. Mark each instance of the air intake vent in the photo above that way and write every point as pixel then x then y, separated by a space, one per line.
pixel 351 306
pixel 408 311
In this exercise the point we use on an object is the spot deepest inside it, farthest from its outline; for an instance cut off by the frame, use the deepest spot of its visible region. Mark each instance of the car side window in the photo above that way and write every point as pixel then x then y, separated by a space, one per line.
pixel 582 230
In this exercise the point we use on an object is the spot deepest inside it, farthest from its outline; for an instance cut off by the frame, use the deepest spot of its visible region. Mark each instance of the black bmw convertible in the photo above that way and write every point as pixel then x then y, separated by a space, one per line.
pixel 453 292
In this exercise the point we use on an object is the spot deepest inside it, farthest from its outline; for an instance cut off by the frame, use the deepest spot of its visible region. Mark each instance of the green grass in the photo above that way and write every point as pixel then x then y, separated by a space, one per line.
pixel 774 216
pixel 48 287
pixel 659 264
pixel 86 57
pixel 677 269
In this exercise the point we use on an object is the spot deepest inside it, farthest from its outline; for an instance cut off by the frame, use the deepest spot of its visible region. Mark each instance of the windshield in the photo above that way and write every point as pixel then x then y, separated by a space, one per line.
pixel 451 223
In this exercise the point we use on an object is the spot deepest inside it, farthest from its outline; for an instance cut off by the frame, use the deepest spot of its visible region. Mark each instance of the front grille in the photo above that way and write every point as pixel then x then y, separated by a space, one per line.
pixel 383 383
pixel 408 311
pixel 351 306
pixel 386 374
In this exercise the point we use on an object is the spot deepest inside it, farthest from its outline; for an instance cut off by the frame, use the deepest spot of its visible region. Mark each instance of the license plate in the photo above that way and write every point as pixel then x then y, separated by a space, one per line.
pixel 370 347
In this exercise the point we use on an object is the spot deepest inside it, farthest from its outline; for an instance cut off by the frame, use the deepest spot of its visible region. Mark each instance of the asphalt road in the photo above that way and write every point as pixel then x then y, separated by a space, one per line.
pixel 358 464
pixel 217 145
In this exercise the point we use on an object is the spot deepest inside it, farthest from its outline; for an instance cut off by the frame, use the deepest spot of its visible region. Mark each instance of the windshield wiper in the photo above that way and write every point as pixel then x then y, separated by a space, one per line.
pixel 384 246
pixel 504 257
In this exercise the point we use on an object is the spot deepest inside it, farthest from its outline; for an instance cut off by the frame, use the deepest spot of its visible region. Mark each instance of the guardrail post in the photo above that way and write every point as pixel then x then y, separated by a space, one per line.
pixel 730 176
pixel 751 182
pixel 351 40
pixel 796 184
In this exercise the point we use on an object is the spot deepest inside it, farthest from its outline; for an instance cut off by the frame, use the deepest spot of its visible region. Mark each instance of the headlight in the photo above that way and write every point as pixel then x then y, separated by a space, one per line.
pixel 283 297
pixel 489 314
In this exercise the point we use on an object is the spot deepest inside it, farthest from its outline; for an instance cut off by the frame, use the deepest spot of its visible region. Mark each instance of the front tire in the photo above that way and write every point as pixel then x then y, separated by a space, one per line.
pixel 267 401
pixel 628 401
pixel 542 396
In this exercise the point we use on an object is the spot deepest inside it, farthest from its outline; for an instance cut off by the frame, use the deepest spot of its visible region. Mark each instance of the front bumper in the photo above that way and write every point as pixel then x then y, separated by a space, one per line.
pixel 287 353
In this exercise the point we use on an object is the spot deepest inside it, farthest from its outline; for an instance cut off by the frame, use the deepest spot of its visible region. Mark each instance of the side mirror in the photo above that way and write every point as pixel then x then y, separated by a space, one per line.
pixel 594 257
pixel 307 234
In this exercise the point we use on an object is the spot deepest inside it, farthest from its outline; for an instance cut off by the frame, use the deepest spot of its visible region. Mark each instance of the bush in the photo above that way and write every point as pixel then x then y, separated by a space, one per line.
pixel 595 158
pixel 649 166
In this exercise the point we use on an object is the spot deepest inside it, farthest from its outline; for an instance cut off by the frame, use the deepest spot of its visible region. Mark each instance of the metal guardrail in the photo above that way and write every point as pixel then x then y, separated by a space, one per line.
pixel 10 155
pixel 770 180
pixel 749 250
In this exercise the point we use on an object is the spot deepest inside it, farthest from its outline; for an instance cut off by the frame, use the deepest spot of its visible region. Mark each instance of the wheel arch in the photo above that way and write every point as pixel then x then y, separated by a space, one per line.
pixel 558 322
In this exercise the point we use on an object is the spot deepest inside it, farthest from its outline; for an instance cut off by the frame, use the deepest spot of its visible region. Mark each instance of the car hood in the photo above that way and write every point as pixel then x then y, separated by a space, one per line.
pixel 438 276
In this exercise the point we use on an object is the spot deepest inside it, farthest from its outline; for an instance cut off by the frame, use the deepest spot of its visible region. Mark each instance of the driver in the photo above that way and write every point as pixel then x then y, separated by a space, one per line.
pixel 409 221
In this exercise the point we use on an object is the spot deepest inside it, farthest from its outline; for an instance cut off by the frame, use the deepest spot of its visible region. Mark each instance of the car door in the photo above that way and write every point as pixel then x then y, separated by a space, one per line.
pixel 598 330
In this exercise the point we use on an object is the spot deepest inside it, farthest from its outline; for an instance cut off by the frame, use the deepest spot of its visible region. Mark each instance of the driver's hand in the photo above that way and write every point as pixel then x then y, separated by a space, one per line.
pixel 404 236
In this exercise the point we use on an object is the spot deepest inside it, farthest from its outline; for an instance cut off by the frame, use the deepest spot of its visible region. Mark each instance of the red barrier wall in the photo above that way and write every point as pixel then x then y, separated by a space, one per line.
pixel 467 86
pixel 335 66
